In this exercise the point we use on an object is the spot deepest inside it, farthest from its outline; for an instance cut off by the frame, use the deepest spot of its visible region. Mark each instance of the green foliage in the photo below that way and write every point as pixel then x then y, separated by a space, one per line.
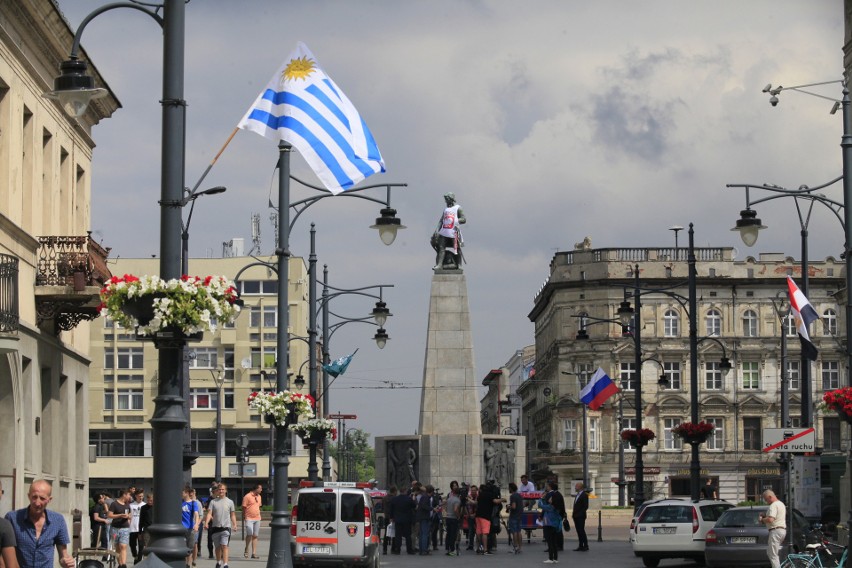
pixel 354 452
pixel 749 504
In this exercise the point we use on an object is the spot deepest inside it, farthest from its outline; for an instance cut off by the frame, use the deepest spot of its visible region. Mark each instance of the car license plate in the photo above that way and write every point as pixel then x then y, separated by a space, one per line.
pixel 743 540
pixel 665 530
pixel 316 550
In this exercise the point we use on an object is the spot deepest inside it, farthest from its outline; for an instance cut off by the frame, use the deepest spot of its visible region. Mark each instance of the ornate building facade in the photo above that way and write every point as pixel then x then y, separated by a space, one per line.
pixel 50 269
pixel 741 304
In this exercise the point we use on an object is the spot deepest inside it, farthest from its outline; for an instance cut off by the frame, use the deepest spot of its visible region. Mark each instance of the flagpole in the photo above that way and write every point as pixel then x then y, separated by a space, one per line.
pixel 213 162
pixel 279 545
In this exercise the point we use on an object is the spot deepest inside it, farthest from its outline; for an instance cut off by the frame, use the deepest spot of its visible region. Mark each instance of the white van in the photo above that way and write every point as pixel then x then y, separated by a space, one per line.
pixel 334 523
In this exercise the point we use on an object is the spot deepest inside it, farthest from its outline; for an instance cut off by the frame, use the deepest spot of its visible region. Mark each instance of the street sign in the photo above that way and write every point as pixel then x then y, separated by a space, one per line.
pixel 249 470
pixel 341 416
pixel 792 440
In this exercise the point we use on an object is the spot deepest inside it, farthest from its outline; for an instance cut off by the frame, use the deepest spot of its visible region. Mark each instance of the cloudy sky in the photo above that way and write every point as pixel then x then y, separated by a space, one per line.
pixel 551 120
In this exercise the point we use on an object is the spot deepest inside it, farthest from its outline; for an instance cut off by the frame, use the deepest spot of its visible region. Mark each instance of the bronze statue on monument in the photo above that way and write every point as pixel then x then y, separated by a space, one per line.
pixel 447 238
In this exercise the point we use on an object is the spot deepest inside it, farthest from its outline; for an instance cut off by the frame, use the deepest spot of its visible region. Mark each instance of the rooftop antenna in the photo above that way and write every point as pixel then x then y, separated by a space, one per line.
pixel 255 232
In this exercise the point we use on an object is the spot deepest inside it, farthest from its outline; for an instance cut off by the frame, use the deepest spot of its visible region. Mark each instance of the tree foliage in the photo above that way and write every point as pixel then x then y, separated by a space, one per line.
pixel 355 456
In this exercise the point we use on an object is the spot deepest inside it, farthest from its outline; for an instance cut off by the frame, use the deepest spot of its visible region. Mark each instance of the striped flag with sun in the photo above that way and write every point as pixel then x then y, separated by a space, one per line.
pixel 303 106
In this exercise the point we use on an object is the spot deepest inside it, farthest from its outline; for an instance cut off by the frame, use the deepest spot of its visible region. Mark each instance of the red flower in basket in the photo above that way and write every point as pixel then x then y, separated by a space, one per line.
pixel 694 431
pixel 639 437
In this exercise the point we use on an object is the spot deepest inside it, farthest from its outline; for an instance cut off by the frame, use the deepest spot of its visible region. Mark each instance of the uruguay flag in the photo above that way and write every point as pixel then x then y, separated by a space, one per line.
pixel 599 389
pixel 804 313
pixel 303 106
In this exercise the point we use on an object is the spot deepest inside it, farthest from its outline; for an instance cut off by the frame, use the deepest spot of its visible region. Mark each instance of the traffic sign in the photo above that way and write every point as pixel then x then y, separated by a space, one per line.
pixel 341 416
pixel 792 440
pixel 249 470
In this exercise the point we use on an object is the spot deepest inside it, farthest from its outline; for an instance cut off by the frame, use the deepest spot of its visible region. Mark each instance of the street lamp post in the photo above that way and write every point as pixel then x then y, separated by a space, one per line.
pixel 379 317
pixel 189 456
pixel 749 225
pixel 387 224
pixel 75 89
pixel 582 378
pixel 845 221
pixel 219 379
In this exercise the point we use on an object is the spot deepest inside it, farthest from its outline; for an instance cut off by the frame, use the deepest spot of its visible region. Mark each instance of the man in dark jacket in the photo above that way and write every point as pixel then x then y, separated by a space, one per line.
pixel 578 513
pixel 401 512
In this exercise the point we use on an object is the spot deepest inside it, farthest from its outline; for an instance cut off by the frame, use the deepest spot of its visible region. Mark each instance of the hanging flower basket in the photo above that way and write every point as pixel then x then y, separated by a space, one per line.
pixel 187 305
pixel 694 432
pixel 638 438
pixel 840 401
pixel 315 430
pixel 283 407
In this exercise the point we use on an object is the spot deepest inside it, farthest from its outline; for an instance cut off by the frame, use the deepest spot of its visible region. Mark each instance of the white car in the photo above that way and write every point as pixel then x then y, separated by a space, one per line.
pixel 675 528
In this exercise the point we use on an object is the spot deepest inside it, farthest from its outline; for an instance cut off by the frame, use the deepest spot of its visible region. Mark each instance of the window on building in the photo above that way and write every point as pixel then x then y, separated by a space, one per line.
pixel 829 322
pixel 594 434
pixel 713 323
pixel 257 287
pixel 751 433
pixel 123 378
pixel 205 358
pixel 712 376
pixel 794 377
pixel 671 440
pixel 750 328
pixel 627 374
pixel 671 370
pixel 795 422
pixel 264 360
pixel 831 433
pixel 627 423
pixel 716 441
pixel 582 321
pixel 124 358
pixel 751 375
pixel 264 316
pixel 118 443
pixel 671 324
pixel 790 326
pixel 123 399
pixel 204 442
pixel 228 363
pixel 830 375
pixel 205 399
pixel 569 434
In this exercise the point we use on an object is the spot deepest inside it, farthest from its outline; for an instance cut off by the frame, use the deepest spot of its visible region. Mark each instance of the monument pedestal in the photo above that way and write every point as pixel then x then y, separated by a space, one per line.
pixel 450 445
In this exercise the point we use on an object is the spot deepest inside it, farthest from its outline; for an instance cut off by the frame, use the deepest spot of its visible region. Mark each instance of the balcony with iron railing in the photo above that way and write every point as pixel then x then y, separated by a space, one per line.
pixel 70 273
pixel 9 314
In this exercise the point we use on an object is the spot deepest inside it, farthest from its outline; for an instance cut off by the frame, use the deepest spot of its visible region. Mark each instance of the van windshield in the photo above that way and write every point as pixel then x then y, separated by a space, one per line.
pixel 317 507
pixel 352 508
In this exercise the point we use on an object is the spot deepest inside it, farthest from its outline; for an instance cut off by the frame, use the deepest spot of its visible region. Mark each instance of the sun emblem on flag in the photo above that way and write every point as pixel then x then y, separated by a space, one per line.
pixel 299 68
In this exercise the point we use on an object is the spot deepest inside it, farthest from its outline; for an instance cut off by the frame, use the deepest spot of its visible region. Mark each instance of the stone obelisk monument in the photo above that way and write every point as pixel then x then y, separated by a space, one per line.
pixel 449 444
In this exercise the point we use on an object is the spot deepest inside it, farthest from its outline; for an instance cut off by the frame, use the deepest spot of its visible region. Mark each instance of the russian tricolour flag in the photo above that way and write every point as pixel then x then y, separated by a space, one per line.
pixel 804 313
pixel 303 106
pixel 599 389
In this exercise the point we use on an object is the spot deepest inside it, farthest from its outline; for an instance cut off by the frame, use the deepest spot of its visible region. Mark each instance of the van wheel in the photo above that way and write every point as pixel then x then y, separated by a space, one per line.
pixel 650 561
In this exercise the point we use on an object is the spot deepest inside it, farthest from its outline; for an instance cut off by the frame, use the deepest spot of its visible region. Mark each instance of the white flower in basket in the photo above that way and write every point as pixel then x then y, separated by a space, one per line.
pixel 276 407
pixel 320 427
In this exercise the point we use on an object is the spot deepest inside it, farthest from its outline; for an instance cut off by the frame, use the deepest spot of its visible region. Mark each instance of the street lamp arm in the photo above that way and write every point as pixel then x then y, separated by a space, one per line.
pixel 804 192
pixel 301 205
pixel 75 46
pixel 338 325
pixel 258 262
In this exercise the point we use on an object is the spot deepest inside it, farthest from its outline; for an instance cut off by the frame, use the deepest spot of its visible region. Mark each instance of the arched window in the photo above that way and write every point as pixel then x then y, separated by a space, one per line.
pixel 829 322
pixel 713 323
pixel 750 328
pixel 671 324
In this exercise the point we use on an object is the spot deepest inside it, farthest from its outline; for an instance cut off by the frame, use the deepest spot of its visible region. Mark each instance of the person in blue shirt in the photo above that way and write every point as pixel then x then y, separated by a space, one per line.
pixel 38 530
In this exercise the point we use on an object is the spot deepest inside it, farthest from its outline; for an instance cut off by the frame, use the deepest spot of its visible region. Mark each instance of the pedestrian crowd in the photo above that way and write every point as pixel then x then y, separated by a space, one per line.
pixel 471 517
